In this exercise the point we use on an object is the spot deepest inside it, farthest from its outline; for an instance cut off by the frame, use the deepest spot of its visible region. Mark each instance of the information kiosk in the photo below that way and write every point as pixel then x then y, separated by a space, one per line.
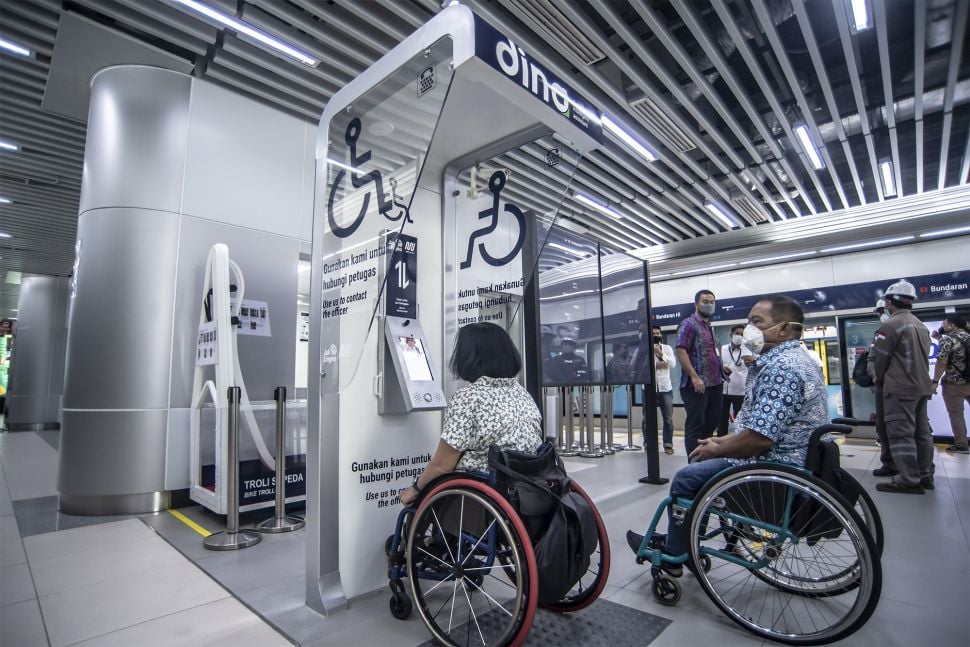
pixel 419 144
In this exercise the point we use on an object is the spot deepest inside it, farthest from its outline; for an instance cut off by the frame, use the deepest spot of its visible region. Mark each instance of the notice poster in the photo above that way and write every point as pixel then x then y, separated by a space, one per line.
pixel 304 326
pixel 254 318
pixel 206 348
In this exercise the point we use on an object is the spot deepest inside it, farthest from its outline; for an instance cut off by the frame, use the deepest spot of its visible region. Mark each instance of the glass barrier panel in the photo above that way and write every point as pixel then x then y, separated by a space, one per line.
pixel 374 162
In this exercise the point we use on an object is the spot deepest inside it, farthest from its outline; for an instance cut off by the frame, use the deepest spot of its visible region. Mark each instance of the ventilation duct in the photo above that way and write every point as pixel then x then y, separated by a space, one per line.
pixel 545 18
pixel 661 125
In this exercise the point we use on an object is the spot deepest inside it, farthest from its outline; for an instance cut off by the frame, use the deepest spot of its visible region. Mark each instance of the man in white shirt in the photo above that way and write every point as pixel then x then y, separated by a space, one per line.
pixel 735 359
pixel 663 361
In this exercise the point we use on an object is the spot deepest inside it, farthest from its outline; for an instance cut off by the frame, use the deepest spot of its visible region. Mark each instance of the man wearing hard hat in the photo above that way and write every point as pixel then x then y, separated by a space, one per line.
pixel 902 372
pixel 887 466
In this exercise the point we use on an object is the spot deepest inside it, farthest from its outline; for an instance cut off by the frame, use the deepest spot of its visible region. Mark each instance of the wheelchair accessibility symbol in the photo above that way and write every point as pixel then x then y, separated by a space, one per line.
pixel 385 206
pixel 495 185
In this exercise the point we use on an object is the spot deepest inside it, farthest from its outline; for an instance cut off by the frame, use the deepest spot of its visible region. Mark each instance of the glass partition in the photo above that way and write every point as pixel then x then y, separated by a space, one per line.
pixel 626 331
pixel 374 160
pixel 858 334
pixel 493 203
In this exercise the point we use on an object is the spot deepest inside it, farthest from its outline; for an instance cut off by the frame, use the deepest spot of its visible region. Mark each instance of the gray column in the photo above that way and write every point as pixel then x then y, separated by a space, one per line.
pixel 37 366
pixel 119 343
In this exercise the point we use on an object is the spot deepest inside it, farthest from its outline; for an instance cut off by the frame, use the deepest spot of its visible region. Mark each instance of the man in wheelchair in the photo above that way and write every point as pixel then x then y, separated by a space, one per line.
pixel 785 400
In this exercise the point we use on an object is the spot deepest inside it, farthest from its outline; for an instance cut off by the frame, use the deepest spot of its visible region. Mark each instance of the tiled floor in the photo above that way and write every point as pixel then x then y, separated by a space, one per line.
pixel 68 580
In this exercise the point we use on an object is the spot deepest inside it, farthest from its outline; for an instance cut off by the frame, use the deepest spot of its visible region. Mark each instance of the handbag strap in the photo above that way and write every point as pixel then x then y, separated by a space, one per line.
pixel 528 480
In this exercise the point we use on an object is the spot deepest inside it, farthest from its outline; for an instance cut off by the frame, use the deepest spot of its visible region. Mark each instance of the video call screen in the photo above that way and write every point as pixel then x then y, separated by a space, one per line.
pixel 415 359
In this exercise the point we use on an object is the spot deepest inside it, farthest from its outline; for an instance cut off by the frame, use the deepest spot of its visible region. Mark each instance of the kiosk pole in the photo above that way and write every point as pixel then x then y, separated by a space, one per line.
pixel 569 448
pixel 650 445
pixel 279 522
pixel 232 538
pixel 606 421
pixel 590 450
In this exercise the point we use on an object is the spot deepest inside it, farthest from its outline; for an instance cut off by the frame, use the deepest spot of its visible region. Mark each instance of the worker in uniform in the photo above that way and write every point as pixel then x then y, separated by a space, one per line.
pixel 887 467
pixel 902 371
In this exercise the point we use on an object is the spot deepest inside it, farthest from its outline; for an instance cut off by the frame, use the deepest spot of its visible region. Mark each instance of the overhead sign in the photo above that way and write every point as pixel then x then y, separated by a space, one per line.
pixel 947 286
pixel 503 54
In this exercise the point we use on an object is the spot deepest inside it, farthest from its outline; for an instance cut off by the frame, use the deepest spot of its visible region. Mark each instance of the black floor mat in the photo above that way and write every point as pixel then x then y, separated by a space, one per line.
pixel 602 623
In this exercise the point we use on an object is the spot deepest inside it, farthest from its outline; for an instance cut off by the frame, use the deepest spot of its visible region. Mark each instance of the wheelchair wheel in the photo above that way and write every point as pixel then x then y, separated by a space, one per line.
pixel 797 565
pixel 865 507
pixel 457 538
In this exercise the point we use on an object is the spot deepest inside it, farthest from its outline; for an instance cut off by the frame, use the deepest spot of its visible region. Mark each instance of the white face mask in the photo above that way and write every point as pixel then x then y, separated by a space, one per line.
pixel 737 339
pixel 884 317
pixel 753 338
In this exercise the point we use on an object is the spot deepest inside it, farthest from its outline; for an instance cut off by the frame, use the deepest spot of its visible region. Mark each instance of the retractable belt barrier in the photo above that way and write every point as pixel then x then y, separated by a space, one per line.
pixel 280 522
pixel 232 538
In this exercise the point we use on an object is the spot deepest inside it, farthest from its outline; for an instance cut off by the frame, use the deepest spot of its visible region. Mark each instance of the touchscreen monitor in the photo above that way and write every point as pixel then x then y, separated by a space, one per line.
pixel 415 359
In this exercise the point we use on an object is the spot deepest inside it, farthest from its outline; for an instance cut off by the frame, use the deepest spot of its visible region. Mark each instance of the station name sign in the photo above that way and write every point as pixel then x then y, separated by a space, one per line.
pixel 503 54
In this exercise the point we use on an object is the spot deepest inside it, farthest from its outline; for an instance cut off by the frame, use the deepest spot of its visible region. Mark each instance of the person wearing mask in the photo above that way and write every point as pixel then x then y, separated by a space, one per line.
pixel 785 402
pixel 619 370
pixel 902 350
pixel 567 367
pixel 887 467
pixel 701 375
pixel 663 361
pixel 735 358
pixel 951 371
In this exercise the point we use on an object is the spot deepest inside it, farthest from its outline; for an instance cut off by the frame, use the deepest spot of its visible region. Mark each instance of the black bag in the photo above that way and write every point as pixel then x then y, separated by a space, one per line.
pixel 813 520
pixel 860 372
pixel 560 522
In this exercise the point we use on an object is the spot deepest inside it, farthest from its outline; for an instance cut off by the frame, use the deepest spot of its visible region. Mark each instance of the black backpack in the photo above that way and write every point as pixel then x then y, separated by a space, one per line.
pixel 560 522
pixel 860 372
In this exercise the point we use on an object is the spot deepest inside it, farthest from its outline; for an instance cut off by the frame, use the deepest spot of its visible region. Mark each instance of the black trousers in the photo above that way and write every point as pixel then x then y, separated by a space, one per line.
pixel 703 411
pixel 727 402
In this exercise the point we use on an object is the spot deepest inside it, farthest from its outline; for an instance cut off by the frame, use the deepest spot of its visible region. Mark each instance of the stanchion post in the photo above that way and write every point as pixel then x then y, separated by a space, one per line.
pixel 589 450
pixel 650 444
pixel 232 538
pixel 630 447
pixel 568 448
pixel 280 522
pixel 606 426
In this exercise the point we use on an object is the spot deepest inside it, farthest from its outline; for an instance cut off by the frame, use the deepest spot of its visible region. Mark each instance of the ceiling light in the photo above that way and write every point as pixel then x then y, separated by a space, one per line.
pixel 4 200
pixel 602 208
pixel 944 232
pixel 860 15
pixel 628 139
pixel 888 178
pixel 568 250
pixel 244 28
pixel 720 214
pixel 4 235
pixel 777 258
pixel 341 165
pixel 14 47
pixel 704 269
pixel 659 276
pixel 801 131
pixel 8 146
pixel 871 243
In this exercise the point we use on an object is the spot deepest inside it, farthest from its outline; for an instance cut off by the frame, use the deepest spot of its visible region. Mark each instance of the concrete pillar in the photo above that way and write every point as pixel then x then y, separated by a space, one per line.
pixel 37 364
pixel 119 342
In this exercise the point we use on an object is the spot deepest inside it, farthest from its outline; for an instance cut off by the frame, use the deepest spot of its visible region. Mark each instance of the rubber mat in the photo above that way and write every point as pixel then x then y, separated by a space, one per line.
pixel 603 623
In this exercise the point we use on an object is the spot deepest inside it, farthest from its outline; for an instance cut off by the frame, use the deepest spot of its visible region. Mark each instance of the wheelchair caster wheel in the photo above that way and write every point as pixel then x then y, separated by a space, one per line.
pixel 666 591
pixel 400 606
pixel 706 563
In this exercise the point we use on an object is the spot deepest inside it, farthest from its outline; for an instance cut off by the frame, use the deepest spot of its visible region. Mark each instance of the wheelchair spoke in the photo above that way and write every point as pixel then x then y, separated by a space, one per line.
pixel 434 557
pixel 477 543
pixel 471 611
pixel 441 532
pixel 490 598
pixel 431 590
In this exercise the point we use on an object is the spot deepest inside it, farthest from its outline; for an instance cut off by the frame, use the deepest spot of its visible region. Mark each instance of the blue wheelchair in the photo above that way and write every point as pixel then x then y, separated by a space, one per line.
pixel 783 552
pixel 467 556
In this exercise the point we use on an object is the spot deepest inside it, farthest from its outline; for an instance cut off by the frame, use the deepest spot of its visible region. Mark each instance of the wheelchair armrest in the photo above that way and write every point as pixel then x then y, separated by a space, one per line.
pixel 851 422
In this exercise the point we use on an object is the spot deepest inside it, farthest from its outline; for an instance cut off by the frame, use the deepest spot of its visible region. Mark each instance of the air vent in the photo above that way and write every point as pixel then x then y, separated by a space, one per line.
pixel 749 209
pixel 661 125
pixel 545 18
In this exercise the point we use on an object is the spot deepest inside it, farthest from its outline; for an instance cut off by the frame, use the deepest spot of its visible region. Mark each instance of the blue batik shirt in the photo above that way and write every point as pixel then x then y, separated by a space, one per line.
pixel 785 400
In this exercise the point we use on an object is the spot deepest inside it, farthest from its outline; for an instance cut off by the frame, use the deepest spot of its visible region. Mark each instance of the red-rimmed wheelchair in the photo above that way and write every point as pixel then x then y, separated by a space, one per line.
pixel 468 561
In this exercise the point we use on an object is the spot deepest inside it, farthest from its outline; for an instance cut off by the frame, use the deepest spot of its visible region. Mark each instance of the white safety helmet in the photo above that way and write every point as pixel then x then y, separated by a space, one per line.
pixel 880 305
pixel 901 288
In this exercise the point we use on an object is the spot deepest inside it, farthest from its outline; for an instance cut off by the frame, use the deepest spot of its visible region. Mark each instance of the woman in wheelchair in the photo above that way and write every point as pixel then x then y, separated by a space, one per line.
pixel 464 541
pixel 747 500
pixel 493 409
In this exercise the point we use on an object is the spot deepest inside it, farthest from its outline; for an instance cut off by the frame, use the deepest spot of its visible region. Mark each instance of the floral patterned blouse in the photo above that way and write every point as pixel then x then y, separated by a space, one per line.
pixel 491 411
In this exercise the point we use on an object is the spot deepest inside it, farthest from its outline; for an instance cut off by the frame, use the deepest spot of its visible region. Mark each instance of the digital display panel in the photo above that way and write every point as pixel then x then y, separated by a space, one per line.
pixel 415 359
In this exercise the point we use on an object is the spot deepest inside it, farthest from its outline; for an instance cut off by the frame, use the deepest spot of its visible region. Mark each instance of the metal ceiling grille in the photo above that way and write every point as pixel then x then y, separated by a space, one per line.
pixel 717 88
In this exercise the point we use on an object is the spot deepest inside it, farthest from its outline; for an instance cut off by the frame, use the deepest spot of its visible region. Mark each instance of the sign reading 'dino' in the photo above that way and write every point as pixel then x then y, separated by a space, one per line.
pixel 501 52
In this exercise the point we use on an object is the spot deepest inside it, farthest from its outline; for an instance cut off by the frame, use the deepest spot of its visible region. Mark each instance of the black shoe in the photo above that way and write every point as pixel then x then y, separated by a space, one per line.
pixel 673 570
pixel 927 483
pixel 953 449
pixel 884 471
pixel 893 486
pixel 634 541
